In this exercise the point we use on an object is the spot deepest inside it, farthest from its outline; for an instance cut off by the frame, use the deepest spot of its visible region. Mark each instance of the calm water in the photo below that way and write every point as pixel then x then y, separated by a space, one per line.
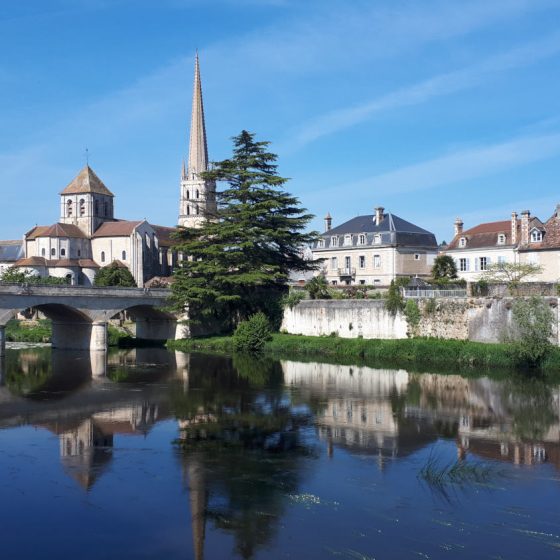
pixel 153 454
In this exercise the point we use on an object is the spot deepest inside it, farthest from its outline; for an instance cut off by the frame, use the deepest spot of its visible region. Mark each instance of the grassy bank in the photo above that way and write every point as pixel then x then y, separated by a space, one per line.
pixel 419 352
pixel 32 331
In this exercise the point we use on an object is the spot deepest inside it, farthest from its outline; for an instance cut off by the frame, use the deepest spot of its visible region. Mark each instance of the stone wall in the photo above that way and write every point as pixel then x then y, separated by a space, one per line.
pixel 476 319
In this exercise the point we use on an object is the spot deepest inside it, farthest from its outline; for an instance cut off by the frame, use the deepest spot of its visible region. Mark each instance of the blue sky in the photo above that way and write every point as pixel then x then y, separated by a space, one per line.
pixel 433 109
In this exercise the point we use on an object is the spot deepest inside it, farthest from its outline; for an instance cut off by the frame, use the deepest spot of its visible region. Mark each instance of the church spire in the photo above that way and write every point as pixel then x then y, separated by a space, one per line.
pixel 198 150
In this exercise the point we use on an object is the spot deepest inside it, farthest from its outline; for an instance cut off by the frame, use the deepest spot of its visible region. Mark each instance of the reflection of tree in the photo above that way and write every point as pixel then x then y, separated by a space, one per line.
pixel 28 370
pixel 241 447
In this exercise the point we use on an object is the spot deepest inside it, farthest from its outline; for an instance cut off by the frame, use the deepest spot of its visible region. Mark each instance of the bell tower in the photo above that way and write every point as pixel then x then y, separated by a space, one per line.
pixel 198 196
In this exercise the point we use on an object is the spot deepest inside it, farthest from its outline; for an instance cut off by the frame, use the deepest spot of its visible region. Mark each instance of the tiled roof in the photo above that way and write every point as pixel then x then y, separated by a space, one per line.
pixel 165 235
pixel 11 251
pixel 119 228
pixel 56 230
pixel 485 235
pixel 86 181
pixel 551 234
pixel 32 261
pixel 60 263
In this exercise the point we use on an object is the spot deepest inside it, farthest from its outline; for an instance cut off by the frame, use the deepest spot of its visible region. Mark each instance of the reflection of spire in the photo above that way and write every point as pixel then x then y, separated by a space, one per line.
pixel 197 498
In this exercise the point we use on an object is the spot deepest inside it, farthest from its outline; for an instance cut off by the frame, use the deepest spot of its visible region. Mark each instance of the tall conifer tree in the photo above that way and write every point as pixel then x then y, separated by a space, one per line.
pixel 238 262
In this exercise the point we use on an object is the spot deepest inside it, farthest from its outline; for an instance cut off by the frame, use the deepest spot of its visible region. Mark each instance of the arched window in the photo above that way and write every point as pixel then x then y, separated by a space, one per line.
pixel 43 252
pixel 124 255
pixel 102 256
pixel 197 194
pixel 62 252
pixel 197 210
pixel 82 207
pixel 188 210
pixel 53 252
pixel 69 208
pixel 188 195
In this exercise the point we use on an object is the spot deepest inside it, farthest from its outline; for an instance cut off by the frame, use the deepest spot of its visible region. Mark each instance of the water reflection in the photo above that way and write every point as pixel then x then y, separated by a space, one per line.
pixel 251 433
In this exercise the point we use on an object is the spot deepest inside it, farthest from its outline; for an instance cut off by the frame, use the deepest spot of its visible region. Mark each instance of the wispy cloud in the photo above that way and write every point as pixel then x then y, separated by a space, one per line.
pixel 437 86
pixel 462 165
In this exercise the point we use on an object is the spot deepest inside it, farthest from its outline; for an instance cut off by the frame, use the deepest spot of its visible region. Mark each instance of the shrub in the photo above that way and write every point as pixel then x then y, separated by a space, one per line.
pixel 252 334
pixel 412 314
pixel 292 298
pixel 115 274
pixel 394 301
pixel 430 306
pixel 318 288
pixel 533 321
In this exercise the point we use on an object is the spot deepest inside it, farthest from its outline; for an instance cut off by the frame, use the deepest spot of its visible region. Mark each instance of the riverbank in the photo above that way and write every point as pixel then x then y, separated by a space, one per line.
pixel 418 352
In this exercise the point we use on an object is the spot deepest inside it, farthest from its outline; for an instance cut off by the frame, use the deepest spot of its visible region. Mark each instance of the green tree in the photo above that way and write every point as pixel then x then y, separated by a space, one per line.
pixel 533 321
pixel 16 275
pixel 510 273
pixel 444 269
pixel 318 287
pixel 237 263
pixel 394 301
pixel 115 275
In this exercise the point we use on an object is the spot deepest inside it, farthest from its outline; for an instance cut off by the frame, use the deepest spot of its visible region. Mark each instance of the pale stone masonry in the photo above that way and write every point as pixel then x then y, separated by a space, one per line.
pixel 374 249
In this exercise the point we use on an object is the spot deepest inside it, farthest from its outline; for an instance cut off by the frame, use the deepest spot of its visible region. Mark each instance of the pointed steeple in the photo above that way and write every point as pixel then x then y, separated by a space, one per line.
pixel 198 150
pixel 183 171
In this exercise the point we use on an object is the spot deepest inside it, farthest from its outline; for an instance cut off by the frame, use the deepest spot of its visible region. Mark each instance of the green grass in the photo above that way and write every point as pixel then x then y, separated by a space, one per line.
pixel 19 331
pixel 414 354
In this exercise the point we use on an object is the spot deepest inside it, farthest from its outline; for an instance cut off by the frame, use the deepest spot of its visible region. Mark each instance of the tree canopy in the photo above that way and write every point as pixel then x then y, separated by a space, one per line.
pixel 237 263
pixel 510 273
pixel 444 269
pixel 115 274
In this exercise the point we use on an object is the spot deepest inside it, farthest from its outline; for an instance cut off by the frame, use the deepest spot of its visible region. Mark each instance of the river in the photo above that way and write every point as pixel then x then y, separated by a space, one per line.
pixel 147 453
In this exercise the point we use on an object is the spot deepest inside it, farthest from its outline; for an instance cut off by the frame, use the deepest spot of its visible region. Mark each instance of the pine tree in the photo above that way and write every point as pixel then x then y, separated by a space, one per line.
pixel 238 262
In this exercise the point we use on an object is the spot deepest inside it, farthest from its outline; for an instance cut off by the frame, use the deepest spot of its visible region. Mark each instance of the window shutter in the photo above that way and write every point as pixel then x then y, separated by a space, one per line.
pixel 467 264
pixel 476 263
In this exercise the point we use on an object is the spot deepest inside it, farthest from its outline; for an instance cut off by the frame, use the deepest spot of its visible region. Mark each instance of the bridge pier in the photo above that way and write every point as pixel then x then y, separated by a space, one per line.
pixel 98 339
pixel 2 341
pixel 74 335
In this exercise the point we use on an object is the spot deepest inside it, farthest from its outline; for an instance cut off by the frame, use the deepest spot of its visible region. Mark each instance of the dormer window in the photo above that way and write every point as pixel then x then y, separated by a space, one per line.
pixel 463 242
pixel 377 239
pixel 321 243
pixel 536 236
pixel 348 239
pixel 334 241
pixel 362 239
pixel 501 239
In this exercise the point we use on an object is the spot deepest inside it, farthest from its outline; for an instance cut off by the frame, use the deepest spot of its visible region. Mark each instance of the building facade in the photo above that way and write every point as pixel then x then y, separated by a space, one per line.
pixel 374 249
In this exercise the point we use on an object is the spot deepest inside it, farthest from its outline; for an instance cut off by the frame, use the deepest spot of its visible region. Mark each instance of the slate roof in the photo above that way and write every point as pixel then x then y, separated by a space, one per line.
pixel 393 230
pixel 11 251
pixel 56 230
pixel 86 181
pixel 118 228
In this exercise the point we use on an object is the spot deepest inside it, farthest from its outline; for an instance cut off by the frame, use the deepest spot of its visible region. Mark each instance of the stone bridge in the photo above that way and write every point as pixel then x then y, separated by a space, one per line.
pixel 80 315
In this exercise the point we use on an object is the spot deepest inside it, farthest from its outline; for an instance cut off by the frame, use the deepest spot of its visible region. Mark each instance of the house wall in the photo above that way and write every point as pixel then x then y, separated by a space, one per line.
pixel 492 254
pixel 549 260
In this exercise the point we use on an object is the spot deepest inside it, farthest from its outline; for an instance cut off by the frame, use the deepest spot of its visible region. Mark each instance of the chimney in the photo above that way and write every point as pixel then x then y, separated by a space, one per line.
pixel 514 228
pixel 458 226
pixel 379 215
pixel 328 222
pixel 525 217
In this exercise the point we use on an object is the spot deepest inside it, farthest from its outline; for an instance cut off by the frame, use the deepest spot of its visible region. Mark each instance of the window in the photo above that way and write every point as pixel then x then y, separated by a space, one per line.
pixel 376 281
pixel 376 261
pixel 124 255
pixel 362 282
pixel 501 239
pixel 501 259
pixel 197 194
pixel 321 243
pixel 53 252
pixel 106 208
pixel 362 261
pixel 377 239
pixel 62 252
pixel 69 208
pixel 347 263
pixel 362 239
pixel 334 263
pixel 463 242
pixel 417 256
pixel 43 252
pixel 79 253
pixel 334 241
pixel 536 236
pixel 188 210
pixel 348 239
pixel 463 265
pixel 197 210
pixel 82 207
pixel 188 194
pixel 102 256
pixel 334 282
pixel 483 263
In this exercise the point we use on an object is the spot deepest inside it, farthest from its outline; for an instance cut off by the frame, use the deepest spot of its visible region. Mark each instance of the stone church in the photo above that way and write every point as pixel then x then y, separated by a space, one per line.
pixel 88 236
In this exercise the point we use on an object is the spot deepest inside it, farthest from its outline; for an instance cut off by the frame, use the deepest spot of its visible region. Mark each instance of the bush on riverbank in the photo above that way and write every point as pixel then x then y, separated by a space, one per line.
pixel 426 352
pixel 24 331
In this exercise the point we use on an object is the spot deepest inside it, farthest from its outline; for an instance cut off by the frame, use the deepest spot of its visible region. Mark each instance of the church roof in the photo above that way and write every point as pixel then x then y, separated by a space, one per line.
pixel 57 263
pixel 118 228
pixel 11 251
pixel 86 181
pixel 165 235
pixel 56 230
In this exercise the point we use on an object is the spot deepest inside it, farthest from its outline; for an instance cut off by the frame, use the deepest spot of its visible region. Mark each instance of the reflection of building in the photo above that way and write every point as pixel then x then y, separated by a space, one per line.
pixel 86 446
